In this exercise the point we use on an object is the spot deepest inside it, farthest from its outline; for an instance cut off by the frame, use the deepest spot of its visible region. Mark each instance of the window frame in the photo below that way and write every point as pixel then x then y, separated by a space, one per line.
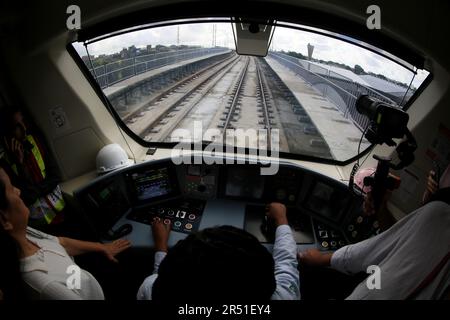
pixel 152 144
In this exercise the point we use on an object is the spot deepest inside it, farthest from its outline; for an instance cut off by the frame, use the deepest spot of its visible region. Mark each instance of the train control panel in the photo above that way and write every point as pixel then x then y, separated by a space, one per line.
pixel 322 212
pixel 183 215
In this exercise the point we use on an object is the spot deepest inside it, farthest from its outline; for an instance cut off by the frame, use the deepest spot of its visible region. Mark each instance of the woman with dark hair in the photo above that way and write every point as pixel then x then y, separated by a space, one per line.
pixel 11 285
pixel 46 264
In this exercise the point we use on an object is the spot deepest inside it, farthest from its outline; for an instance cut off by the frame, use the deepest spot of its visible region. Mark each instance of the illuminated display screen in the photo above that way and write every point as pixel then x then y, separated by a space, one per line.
pixel 244 182
pixel 105 194
pixel 327 201
pixel 106 203
pixel 152 183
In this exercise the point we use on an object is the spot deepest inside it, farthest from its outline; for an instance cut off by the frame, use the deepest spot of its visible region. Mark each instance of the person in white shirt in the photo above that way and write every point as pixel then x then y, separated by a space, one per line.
pixel 224 263
pixel 412 255
pixel 46 264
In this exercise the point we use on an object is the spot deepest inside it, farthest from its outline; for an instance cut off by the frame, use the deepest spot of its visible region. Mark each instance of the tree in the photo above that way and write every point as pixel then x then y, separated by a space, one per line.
pixel 296 54
pixel 359 69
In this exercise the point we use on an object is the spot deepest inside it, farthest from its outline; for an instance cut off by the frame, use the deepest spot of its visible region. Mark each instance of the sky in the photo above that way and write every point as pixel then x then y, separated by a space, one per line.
pixel 287 39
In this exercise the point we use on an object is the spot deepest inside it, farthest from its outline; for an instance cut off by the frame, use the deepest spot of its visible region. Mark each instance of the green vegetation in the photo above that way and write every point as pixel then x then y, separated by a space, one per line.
pixel 358 69
pixel 131 52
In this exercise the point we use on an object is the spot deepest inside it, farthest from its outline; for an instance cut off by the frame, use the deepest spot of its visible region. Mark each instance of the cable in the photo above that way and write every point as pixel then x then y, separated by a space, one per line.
pixel 107 104
pixel 409 87
pixel 360 141
pixel 368 154
pixel 356 166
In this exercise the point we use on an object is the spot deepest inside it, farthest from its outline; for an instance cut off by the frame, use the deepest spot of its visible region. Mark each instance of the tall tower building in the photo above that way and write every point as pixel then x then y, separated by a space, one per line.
pixel 310 51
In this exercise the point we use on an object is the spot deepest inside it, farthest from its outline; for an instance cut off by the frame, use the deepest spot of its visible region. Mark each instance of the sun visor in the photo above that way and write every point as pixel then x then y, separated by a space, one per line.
pixel 252 37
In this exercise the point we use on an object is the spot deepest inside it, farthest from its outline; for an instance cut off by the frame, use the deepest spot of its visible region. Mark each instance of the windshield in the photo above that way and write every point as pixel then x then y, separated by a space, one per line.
pixel 186 82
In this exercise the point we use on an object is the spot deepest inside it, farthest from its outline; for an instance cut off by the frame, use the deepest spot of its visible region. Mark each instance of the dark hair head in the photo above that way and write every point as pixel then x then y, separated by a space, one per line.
pixel 216 264
pixel 3 200
pixel 6 116
pixel 11 283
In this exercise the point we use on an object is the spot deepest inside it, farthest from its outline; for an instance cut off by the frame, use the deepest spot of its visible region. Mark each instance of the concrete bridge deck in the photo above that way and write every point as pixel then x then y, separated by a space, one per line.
pixel 341 135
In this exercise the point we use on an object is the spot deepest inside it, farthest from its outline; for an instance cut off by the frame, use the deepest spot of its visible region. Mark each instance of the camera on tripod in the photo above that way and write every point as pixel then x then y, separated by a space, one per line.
pixel 386 121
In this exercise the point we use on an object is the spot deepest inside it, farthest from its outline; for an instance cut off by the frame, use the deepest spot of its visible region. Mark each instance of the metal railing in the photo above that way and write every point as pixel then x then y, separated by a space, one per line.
pixel 120 70
pixel 342 91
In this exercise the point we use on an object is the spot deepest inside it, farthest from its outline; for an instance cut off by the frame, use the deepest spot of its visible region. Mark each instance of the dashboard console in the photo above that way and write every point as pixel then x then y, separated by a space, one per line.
pixel 322 212
pixel 184 215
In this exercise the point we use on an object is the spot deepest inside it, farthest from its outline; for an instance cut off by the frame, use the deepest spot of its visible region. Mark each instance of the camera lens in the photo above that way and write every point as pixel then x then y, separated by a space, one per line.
pixel 367 106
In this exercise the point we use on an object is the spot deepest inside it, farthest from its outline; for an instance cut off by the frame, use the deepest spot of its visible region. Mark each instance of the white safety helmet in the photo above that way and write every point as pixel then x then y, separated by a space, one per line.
pixel 112 157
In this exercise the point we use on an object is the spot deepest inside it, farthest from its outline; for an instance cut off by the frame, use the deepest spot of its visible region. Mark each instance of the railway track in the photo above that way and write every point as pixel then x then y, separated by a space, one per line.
pixel 251 80
pixel 142 120
pixel 231 110
pixel 173 87
pixel 249 106
pixel 266 100
pixel 300 133
pixel 241 93
pixel 160 128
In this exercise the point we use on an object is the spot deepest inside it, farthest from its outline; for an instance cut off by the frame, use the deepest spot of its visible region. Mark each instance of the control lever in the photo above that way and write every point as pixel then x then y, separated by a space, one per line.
pixel 268 228
pixel 120 232
pixel 437 172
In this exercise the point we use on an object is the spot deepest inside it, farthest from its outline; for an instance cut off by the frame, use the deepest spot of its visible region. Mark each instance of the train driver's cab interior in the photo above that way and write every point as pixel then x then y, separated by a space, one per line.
pixel 199 116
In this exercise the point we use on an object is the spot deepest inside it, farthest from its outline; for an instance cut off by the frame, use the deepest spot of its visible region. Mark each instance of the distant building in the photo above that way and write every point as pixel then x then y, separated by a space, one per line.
pixel 310 51
pixel 132 51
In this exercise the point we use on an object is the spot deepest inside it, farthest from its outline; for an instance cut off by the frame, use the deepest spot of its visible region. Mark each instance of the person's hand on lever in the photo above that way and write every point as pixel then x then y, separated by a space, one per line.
pixel 277 212
pixel 369 205
pixel 314 257
pixel 16 148
pixel 161 233
pixel 431 188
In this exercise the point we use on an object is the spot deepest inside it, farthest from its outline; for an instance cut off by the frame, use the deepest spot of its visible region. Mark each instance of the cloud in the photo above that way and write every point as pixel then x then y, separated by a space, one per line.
pixel 327 48
pixel 287 39
pixel 188 34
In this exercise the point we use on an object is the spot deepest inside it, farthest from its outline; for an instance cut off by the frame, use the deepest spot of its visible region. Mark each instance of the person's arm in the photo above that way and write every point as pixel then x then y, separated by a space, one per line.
pixel 356 257
pixel 284 255
pixel 383 214
pixel 160 233
pixel 110 250
pixel 59 291
pixel 21 159
pixel 350 259
pixel 316 258
pixel 18 172
pixel 431 187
